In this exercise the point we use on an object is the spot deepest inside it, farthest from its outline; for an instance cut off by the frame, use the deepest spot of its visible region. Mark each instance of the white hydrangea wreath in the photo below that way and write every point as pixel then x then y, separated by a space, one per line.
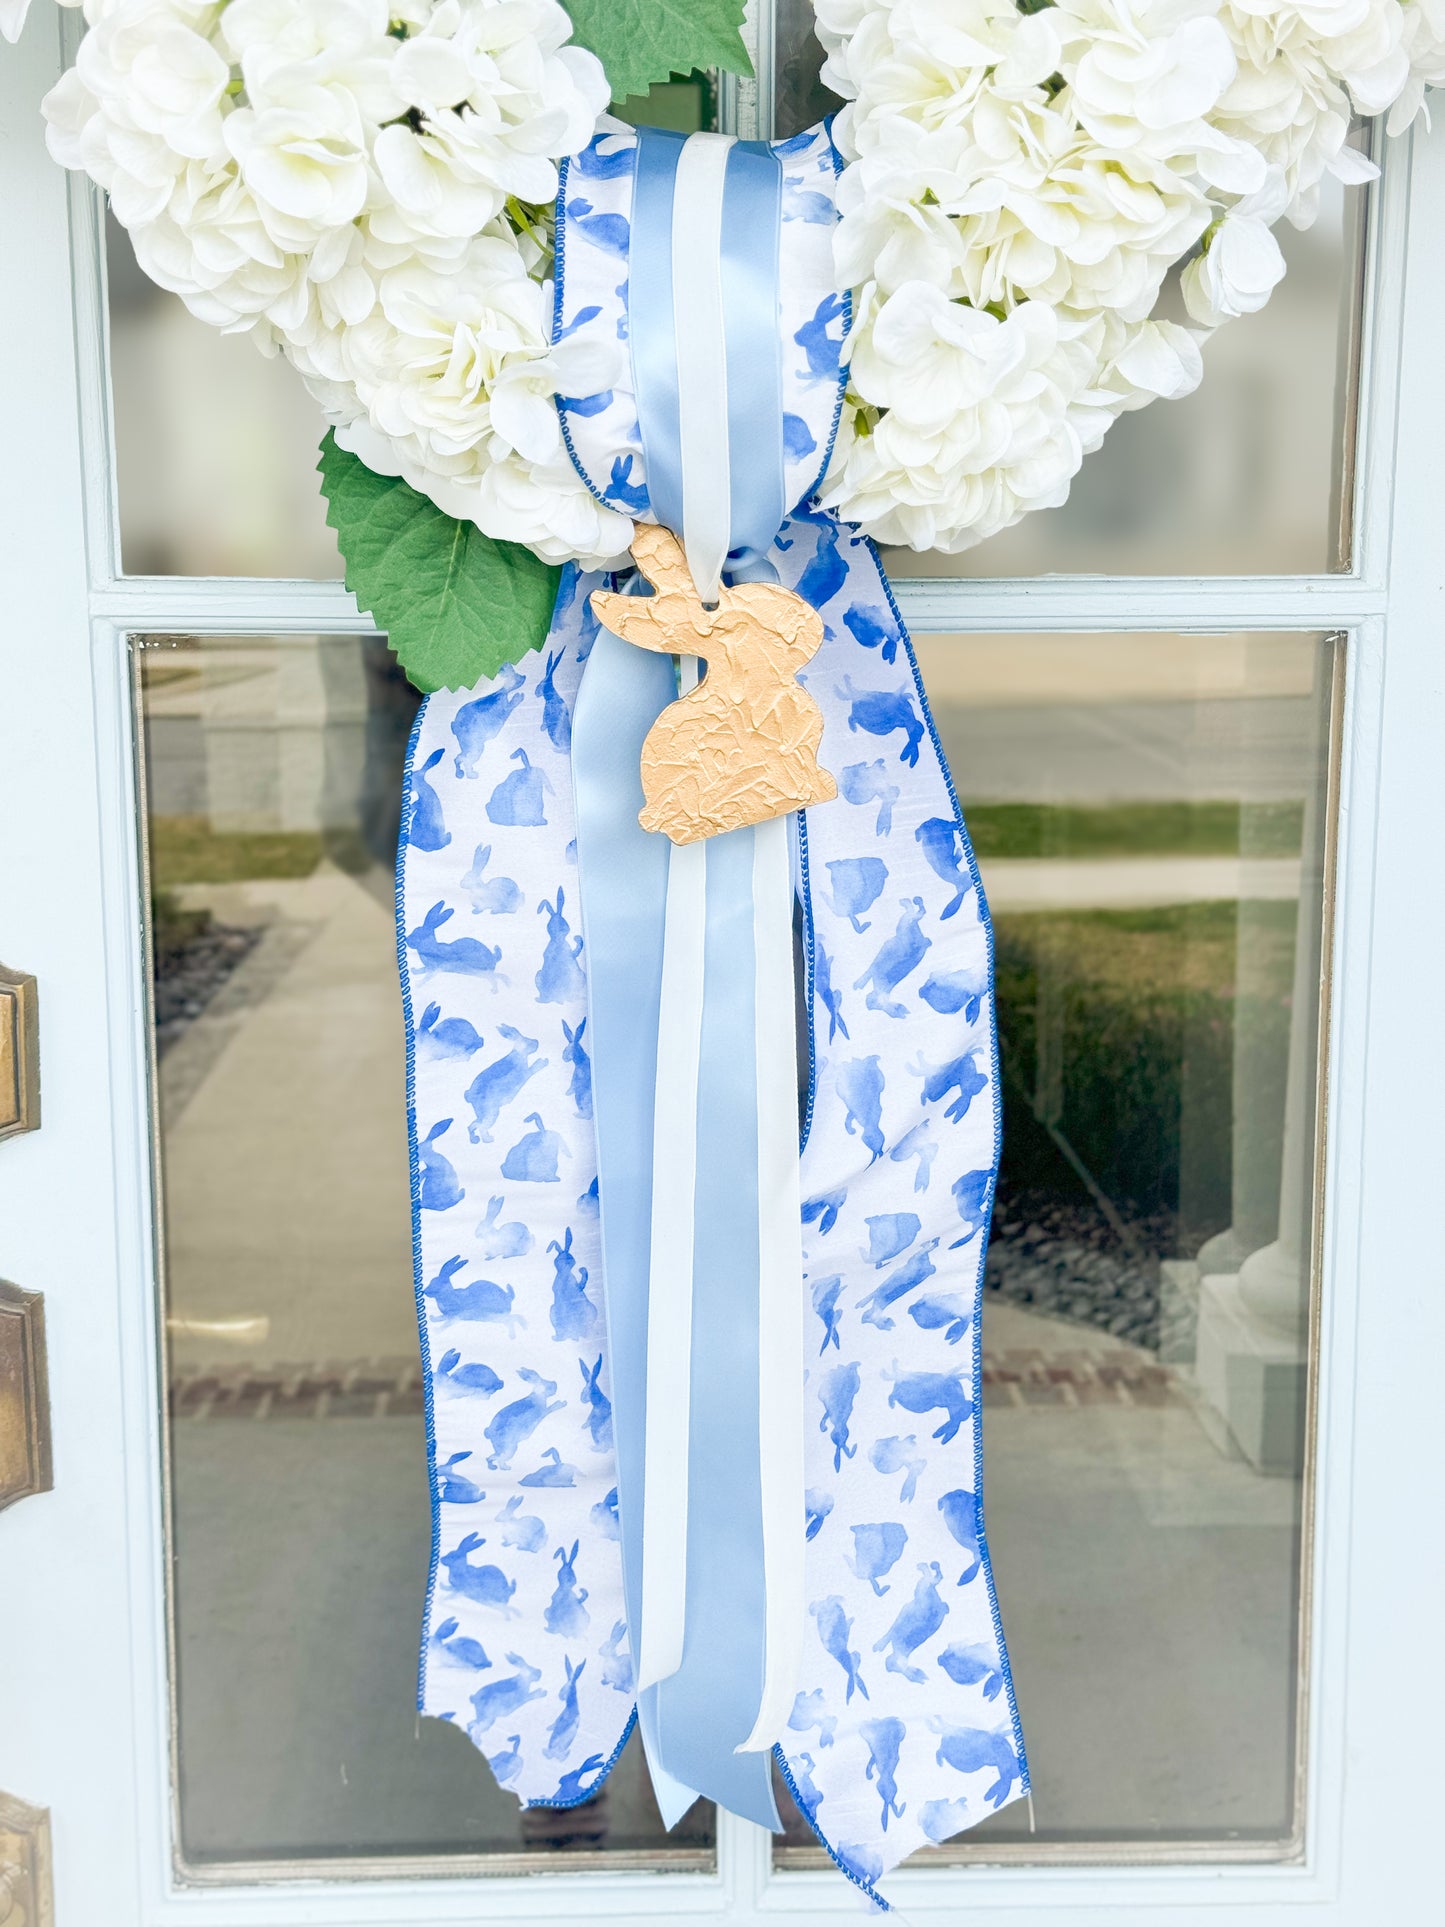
pixel 365 186
pixel 1020 181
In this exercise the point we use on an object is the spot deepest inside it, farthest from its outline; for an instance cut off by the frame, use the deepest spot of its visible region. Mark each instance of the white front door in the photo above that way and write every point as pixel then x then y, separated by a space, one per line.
pixel 1194 719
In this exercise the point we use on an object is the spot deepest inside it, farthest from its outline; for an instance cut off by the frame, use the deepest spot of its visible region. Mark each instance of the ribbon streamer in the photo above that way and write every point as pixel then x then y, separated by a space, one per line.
pixel 903 1728
pixel 723 1371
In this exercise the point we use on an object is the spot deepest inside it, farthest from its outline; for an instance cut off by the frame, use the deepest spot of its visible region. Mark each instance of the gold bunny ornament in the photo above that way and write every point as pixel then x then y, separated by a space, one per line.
pixel 742 747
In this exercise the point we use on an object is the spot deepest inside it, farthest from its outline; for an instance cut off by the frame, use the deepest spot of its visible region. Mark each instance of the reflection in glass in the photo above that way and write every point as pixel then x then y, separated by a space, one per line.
pixel 215 444
pixel 1149 819
pixel 799 97
pixel 300 1508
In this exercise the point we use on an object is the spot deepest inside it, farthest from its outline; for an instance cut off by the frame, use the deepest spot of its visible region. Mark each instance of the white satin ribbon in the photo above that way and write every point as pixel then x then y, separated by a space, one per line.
pixel 702 368
pixel 780 1280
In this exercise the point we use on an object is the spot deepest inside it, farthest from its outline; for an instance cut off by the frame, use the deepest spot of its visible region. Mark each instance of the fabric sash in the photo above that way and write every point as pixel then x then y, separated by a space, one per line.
pixel 902 1729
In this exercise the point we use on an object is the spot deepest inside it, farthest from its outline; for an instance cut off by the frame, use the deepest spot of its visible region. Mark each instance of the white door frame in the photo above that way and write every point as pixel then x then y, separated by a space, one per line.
pixel 84 1723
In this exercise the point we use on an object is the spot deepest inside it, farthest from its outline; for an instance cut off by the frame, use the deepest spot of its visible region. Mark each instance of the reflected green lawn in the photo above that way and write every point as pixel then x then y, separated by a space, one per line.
pixel 1156 828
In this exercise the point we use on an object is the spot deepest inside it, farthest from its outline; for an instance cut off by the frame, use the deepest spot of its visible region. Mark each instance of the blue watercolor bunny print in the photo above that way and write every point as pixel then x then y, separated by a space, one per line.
pixel 904 1729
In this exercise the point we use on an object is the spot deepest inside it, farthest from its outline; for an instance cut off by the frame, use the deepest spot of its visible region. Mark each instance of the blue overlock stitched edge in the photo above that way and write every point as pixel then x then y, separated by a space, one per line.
pixel 423 1332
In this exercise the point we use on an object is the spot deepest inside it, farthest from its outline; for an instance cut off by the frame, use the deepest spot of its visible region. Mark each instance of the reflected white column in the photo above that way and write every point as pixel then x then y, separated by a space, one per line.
pixel 1250 1358
pixel 1274 1279
pixel 283 727
pixel 1262 989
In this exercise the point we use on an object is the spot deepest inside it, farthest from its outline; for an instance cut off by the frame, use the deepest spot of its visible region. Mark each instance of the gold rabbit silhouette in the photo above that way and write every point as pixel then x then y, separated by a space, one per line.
pixel 742 746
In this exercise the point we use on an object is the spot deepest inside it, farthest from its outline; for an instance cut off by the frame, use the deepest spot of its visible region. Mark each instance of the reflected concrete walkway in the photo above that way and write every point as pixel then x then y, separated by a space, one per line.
pixel 1136 883
pixel 284 1118
pixel 1147 1587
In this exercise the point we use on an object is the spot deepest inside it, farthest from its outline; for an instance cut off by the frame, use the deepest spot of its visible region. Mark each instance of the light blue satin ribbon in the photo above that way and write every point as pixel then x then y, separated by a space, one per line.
pixel 752 319
pixel 695 1719
pixel 625 893
pixel 752 227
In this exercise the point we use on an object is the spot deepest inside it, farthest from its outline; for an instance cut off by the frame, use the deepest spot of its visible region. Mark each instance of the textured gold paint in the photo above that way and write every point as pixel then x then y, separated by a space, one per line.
pixel 742 747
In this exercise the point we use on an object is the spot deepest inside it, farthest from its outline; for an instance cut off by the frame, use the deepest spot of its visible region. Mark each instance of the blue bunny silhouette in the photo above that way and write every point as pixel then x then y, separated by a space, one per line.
pixel 564 1727
pixel 900 1455
pixel 868 783
pixel 915 1624
pixel 962 1075
pixel 506 1696
pixel 860 1085
pixel 834 1628
pixel 898 958
pixel 426 827
pixel 566 1612
pixel 516 1422
pixel 942 846
pixel 484 1585
pixel 881 712
pixel 496 1084
pixel 836 1394
pixel 477 723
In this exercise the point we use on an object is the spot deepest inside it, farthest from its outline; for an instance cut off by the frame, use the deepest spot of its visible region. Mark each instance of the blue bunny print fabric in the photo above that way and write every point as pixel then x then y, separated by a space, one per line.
pixel 904 1728
pixel 594 235
pixel 525 1642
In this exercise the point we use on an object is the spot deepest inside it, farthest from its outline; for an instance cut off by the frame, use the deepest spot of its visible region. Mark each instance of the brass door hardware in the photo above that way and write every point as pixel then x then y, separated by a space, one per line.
pixel 25 1886
pixel 24 1404
pixel 19 1054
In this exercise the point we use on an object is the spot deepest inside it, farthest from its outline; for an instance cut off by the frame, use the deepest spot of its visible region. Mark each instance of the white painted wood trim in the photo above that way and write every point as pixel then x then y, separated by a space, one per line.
pixel 84 1727
pixel 66 1708
pixel 187 606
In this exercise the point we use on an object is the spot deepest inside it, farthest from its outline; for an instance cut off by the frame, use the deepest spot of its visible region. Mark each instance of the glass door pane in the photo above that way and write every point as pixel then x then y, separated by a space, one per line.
pixel 1150 819
pixel 300 1511
pixel 215 444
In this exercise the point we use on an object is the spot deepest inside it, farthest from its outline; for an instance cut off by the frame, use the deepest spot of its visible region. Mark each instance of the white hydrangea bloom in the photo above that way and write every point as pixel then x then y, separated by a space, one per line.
pixel 454 370
pixel 1425 49
pixel 985 418
pixel 547 507
pixel 363 185
pixel 1242 263
pixel 1019 185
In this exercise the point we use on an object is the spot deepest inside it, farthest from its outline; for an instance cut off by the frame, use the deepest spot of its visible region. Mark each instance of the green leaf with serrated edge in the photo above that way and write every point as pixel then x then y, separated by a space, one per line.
pixel 455 604
pixel 639 41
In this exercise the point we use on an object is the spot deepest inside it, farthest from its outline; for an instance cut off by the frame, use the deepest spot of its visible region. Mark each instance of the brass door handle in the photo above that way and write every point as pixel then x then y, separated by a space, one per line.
pixel 26 1898
pixel 19 1054
pixel 24 1403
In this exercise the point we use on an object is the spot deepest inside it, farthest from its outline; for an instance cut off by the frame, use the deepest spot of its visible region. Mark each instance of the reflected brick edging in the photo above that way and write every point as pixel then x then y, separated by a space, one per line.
pixel 1038 1378
pixel 356 1388
pixel 393 1388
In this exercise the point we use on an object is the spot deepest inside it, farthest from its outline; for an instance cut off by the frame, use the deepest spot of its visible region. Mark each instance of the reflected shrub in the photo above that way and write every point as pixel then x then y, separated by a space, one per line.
pixel 1117 1032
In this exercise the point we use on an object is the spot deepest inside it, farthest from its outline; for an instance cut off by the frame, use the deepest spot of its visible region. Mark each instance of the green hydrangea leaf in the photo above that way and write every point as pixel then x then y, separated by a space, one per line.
pixel 640 41
pixel 455 604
